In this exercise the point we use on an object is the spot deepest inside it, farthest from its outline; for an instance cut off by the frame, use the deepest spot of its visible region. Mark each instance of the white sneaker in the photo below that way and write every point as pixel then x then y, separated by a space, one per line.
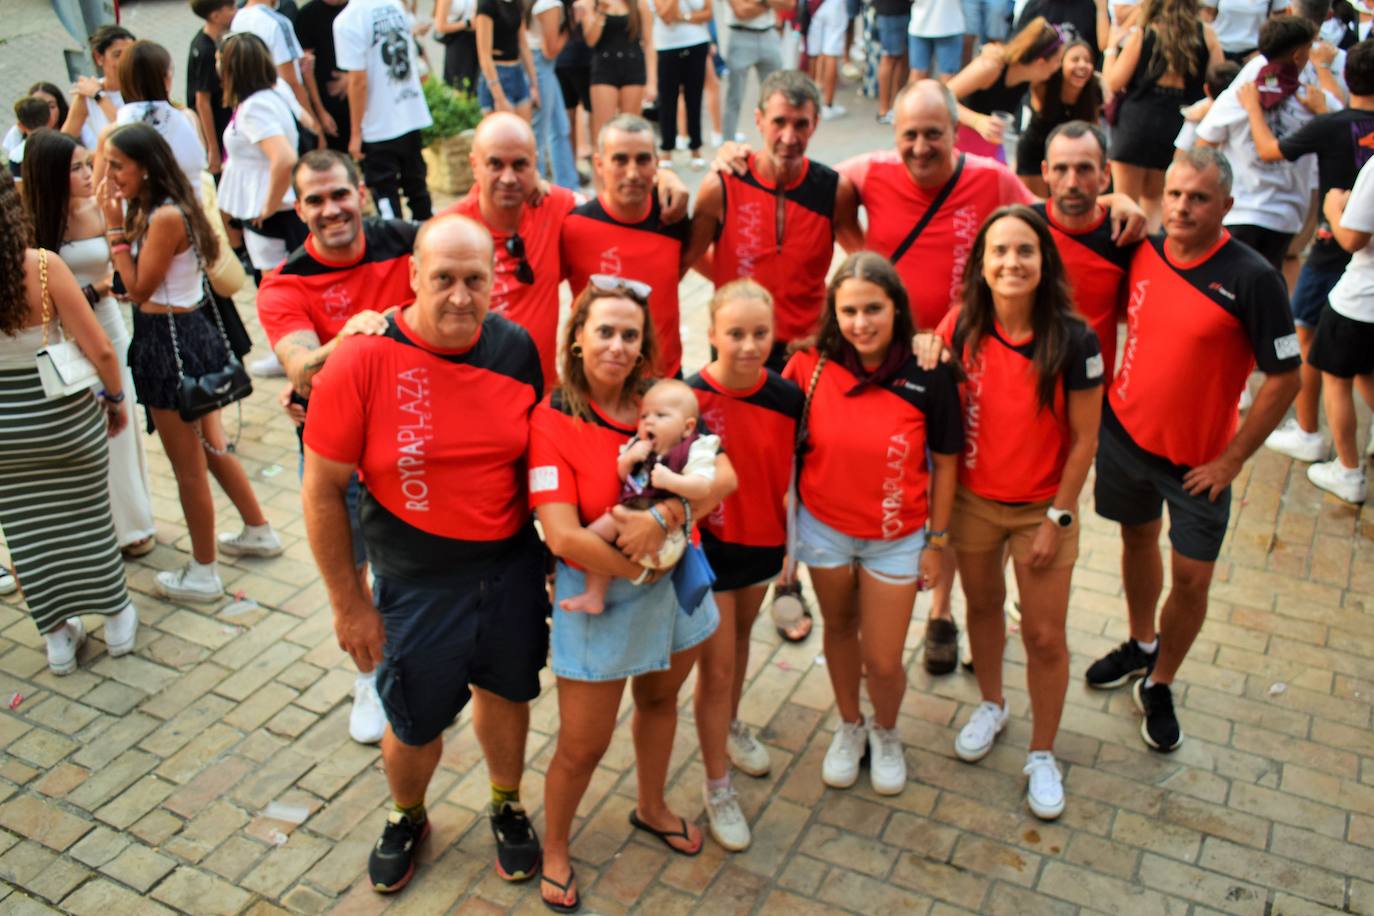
pixel 8 584
pixel 886 761
pixel 367 720
pixel 1334 477
pixel 63 644
pixel 261 541
pixel 121 631
pixel 1045 788
pixel 717 138
pixel 840 770
pixel 851 71
pixel 885 118
pixel 1292 440
pixel 267 367
pixel 745 751
pixel 739 136
pixel 976 738
pixel 681 142
pixel 1246 399
pixel 665 163
pixel 728 826
pixel 185 585
pixel 831 112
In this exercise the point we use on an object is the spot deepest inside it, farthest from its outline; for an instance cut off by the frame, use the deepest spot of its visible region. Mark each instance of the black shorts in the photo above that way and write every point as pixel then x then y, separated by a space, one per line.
pixel 619 68
pixel 1133 486
pixel 1271 245
pixel 1342 346
pixel 737 565
pixel 1146 128
pixel 576 83
pixel 485 628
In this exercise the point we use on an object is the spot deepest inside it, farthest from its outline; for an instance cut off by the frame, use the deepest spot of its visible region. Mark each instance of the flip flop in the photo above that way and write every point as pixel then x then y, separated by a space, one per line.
pixel 666 835
pixel 806 614
pixel 562 907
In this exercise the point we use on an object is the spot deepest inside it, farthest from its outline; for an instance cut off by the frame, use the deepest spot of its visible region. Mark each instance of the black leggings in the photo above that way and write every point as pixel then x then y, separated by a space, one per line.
pixel 684 70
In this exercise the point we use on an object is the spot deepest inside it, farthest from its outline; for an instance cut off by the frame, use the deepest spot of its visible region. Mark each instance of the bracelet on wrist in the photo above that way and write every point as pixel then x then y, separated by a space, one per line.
pixel 122 246
pixel 658 517
pixel 117 398
pixel 642 577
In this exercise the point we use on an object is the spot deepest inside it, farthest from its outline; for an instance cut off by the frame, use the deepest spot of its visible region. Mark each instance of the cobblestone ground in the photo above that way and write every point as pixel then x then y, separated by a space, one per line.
pixel 147 784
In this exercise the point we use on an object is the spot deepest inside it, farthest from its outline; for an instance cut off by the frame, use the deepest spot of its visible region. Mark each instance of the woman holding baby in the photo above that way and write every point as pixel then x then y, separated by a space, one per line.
pixel 639 633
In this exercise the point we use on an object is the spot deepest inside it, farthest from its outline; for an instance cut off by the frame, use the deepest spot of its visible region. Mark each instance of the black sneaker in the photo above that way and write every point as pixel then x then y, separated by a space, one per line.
pixel 392 862
pixel 1160 728
pixel 517 845
pixel 1121 664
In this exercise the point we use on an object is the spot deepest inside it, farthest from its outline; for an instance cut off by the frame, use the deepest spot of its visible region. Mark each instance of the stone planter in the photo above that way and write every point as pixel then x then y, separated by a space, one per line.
pixel 450 172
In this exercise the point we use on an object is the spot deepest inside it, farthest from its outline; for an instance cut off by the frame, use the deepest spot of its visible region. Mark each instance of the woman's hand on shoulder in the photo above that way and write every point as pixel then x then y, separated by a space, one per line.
pixel 930 350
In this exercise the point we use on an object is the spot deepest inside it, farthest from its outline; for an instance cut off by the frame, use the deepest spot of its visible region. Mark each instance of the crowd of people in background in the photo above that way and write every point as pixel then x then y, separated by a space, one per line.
pixel 1094 223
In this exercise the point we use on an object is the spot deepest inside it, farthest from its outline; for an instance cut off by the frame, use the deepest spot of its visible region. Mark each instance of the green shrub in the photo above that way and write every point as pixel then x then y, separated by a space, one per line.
pixel 453 111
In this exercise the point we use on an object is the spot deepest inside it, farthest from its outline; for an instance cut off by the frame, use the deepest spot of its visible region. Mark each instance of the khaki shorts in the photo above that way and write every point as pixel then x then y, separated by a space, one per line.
pixel 983 525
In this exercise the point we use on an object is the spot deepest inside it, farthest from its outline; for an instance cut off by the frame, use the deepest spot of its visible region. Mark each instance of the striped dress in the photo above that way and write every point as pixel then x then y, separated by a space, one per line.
pixel 54 506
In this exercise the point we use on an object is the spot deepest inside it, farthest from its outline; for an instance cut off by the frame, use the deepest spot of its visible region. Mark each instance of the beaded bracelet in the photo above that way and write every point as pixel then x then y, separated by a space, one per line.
pixel 110 398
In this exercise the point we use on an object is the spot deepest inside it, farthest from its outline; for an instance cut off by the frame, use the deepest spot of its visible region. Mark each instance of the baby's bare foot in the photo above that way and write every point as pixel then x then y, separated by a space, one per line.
pixel 585 603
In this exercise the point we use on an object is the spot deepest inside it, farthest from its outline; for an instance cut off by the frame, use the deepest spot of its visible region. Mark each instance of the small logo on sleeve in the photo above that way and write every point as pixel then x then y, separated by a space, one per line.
pixel 543 479
pixel 1286 347
pixel 1094 366
pixel 1218 288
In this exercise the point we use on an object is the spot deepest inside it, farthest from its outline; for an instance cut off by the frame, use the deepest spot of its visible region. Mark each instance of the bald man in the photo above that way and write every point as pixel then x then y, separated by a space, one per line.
pixel 525 219
pixel 435 414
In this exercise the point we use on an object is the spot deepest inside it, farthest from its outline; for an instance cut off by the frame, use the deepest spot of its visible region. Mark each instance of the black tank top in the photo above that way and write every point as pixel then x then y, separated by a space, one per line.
pixel 1146 78
pixel 615 34
pixel 997 97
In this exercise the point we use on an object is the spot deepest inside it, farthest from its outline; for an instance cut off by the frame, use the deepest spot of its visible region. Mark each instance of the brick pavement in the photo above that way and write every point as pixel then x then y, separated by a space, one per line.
pixel 142 785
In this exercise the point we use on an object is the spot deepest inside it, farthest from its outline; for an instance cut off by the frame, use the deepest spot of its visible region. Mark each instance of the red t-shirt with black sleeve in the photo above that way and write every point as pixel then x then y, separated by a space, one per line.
pixel 1014 449
pixel 759 425
pixel 789 257
pixel 573 460
pixel 932 268
pixel 439 437
pixel 863 470
pixel 1193 333
pixel 647 250
pixel 308 292
pixel 533 306
pixel 1096 268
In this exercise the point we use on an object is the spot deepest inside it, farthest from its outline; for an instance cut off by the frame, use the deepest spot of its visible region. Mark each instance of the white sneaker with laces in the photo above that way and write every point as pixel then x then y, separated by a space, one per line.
pixel 259 541
pixel 723 814
pixel 1045 788
pixel 186 584
pixel 63 644
pixel 1292 440
pixel 831 112
pixel 886 761
pixel 885 118
pixel 367 720
pixel 267 367
pixel 8 584
pixel 840 769
pixel 121 631
pixel 976 738
pixel 1335 478
pixel 745 751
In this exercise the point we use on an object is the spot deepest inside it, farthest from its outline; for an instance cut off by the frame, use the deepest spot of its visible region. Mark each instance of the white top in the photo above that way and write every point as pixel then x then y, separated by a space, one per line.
pixel 182 287
pixel 1238 21
pixel 274 29
pixel 374 35
pixel 535 33
pixel 936 18
pixel 89 259
pixel 247 170
pixel 1273 195
pixel 458 10
pixel 13 137
pixel 176 128
pixel 17 349
pixel 668 36
pixel 1353 295
pixel 96 120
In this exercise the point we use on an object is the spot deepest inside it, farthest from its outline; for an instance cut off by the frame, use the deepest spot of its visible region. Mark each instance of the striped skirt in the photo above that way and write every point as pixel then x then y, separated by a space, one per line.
pixel 54 505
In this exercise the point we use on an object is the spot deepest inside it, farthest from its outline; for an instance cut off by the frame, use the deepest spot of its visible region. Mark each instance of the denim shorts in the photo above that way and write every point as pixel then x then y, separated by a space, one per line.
pixel 987 19
pixel 514 82
pixel 896 562
pixel 892 35
pixel 947 52
pixel 640 630
pixel 1314 285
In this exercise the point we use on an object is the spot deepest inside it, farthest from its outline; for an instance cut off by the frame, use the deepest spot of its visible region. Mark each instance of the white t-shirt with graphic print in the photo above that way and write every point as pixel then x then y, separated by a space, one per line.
pixel 375 36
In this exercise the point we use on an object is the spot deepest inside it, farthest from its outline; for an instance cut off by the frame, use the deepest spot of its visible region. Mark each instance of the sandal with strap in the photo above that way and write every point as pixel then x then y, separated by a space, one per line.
pixel 562 907
pixel 666 835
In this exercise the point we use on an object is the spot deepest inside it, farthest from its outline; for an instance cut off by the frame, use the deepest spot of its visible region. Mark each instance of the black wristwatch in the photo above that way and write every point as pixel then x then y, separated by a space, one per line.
pixel 99 94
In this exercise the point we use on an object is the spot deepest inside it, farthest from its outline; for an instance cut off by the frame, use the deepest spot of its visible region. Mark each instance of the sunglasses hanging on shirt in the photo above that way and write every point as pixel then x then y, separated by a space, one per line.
pixel 515 247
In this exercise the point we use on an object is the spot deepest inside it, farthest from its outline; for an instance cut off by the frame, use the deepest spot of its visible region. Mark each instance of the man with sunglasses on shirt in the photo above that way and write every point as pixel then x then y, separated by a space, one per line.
pixel 526 221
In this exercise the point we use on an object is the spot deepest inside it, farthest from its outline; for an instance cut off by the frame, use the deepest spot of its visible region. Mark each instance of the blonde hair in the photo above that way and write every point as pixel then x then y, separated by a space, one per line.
pixel 743 288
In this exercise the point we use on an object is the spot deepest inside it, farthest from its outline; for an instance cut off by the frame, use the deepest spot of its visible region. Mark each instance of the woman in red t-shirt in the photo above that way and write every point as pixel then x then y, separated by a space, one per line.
pixel 875 421
pixel 754 411
pixel 642 634
pixel 1032 403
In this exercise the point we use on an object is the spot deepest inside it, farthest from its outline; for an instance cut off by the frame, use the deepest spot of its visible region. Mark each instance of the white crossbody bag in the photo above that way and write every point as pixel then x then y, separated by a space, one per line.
pixel 62 367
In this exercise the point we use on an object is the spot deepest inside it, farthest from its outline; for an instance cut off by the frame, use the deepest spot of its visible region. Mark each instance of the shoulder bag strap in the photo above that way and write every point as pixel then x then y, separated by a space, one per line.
pixel 43 285
pixel 929 215
pixel 803 422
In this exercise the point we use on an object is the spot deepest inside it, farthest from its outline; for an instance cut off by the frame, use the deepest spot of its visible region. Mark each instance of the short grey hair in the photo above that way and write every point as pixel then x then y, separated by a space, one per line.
pixel 626 124
pixel 951 103
pixel 1201 158
pixel 796 88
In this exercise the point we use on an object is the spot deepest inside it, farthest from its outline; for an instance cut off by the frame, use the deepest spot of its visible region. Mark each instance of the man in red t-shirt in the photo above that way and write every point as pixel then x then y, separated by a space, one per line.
pixel 774 215
pixel 621 233
pixel 337 284
pixel 435 413
pixel 1198 298
pixel 529 263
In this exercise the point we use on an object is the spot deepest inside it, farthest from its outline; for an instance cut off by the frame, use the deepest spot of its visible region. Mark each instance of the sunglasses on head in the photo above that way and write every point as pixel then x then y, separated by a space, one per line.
pixel 607 283
pixel 515 247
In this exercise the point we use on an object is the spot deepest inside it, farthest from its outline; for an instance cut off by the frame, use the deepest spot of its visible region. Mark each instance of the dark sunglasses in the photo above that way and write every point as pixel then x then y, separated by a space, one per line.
pixel 607 283
pixel 515 247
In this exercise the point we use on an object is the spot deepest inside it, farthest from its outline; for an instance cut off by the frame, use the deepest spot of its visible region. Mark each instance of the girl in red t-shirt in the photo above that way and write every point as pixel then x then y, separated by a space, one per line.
pixel 874 423
pixel 1032 403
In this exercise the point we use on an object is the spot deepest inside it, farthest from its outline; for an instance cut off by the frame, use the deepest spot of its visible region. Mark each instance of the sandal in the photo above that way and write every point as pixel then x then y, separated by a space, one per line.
pixel 139 548
pixel 810 624
pixel 791 592
pixel 562 907
pixel 666 835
